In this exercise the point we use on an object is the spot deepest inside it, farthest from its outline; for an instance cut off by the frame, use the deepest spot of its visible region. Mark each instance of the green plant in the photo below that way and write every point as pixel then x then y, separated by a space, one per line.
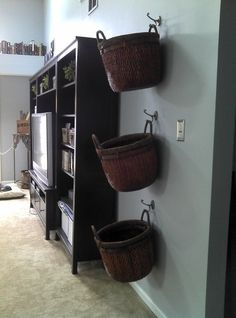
pixel 34 90
pixel 69 71
pixel 45 81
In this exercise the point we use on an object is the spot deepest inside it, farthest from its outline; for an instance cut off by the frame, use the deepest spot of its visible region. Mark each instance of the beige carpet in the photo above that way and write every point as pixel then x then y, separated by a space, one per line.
pixel 36 279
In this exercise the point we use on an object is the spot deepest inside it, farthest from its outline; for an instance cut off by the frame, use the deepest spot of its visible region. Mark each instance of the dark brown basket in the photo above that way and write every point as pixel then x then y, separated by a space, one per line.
pixel 129 161
pixel 126 249
pixel 131 61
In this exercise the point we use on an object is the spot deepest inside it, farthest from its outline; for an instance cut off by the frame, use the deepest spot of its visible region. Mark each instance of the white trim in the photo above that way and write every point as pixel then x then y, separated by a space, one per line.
pixel 147 300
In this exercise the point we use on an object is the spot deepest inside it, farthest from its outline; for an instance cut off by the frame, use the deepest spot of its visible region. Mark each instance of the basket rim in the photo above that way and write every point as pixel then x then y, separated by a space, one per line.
pixel 132 38
pixel 116 244
pixel 144 140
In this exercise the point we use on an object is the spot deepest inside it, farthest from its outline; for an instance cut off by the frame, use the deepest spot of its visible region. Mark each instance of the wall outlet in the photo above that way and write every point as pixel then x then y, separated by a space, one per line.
pixel 180 130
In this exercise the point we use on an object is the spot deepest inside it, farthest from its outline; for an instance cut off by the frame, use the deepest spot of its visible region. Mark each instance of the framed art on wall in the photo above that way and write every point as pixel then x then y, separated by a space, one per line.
pixel 92 5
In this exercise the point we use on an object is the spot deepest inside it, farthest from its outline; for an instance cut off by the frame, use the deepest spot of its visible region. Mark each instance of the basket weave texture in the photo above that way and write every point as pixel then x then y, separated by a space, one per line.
pixel 129 162
pixel 126 249
pixel 131 61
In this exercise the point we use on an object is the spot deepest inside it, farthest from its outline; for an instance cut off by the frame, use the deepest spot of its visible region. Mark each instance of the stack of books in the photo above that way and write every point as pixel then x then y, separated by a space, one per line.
pixel 22 48
pixel 68 161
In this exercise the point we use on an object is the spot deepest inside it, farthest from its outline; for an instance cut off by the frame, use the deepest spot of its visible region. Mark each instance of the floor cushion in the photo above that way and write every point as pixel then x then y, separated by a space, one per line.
pixel 14 193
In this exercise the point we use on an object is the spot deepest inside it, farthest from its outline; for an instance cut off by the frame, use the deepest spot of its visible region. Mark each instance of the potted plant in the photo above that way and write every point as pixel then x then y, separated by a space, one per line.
pixel 69 71
pixel 45 82
pixel 34 89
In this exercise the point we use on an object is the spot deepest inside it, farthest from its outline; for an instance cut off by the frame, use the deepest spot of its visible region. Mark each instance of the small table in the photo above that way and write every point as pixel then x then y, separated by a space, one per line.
pixel 26 141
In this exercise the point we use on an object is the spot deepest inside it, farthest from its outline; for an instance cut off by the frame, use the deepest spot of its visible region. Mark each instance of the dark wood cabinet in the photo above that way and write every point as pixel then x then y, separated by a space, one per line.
pixel 79 95
pixel 42 199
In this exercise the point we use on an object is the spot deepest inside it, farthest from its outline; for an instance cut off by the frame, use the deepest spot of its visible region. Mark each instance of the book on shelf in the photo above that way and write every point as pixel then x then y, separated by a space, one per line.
pixel 68 161
pixel 22 48
pixel 4 47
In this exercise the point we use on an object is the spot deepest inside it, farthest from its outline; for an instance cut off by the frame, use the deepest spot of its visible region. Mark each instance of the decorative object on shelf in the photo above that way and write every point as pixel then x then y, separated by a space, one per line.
pixel 131 61
pixel 23 124
pixel 126 248
pixel 69 71
pixel 65 133
pixel 45 82
pixel 54 81
pixel 129 162
pixel 34 89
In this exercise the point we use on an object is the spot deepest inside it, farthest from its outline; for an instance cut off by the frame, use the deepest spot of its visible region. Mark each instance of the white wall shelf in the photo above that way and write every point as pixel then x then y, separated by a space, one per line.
pixel 20 65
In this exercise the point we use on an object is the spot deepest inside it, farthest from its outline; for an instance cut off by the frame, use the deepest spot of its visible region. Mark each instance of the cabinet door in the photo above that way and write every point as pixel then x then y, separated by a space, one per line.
pixel 42 210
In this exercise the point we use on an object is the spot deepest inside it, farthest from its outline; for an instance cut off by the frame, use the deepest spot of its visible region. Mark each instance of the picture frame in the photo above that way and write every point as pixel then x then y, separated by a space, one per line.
pixel 92 5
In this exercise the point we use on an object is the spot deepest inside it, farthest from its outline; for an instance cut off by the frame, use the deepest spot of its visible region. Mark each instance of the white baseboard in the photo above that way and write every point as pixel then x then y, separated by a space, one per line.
pixel 147 300
pixel 7 181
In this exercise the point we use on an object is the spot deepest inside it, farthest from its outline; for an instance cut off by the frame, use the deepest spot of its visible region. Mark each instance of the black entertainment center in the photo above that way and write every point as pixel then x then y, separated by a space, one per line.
pixel 70 99
pixel 42 200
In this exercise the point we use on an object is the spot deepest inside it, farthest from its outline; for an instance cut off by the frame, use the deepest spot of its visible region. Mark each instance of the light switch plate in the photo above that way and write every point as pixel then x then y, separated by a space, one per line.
pixel 180 130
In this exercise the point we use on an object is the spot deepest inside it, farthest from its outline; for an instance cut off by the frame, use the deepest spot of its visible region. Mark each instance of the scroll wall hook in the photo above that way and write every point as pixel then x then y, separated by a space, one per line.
pixel 154 116
pixel 151 205
pixel 157 21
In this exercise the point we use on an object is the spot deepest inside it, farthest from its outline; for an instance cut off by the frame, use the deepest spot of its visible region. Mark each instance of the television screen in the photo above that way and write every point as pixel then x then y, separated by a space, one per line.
pixel 42 152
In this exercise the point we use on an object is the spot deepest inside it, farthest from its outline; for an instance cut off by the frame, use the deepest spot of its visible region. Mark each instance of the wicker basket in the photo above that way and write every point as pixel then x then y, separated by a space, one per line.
pixel 25 179
pixel 126 248
pixel 131 61
pixel 129 162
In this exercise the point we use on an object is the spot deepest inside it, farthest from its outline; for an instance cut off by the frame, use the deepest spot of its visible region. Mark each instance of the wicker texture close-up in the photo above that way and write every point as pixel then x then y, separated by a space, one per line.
pixel 129 162
pixel 126 248
pixel 131 61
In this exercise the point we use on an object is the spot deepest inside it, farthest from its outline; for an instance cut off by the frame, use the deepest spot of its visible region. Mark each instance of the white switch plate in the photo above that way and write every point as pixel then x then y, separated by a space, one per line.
pixel 180 130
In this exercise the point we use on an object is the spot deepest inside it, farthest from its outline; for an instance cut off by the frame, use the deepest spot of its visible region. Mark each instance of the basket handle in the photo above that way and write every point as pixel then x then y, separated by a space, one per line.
pixel 96 142
pixel 148 123
pixel 95 233
pixel 152 26
pixel 99 40
pixel 148 216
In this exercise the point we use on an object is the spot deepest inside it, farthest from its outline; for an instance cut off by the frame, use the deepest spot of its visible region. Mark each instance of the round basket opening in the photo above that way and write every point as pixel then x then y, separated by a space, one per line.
pixel 119 234
pixel 132 140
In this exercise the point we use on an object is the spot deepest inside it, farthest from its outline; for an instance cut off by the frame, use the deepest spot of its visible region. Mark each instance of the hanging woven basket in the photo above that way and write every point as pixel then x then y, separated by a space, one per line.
pixel 129 162
pixel 126 248
pixel 131 61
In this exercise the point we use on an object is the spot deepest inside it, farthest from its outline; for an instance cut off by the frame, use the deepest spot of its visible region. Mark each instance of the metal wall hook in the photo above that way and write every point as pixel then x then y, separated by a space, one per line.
pixel 154 116
pixel 151 206
pixel 157 21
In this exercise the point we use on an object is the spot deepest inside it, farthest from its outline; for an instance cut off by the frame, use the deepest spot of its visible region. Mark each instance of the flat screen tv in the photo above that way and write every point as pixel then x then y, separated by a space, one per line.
pixel 42 147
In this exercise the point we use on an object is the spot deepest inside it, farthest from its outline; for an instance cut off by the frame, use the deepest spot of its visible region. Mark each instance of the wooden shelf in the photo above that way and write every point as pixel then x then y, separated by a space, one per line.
pixel 68 146
pixel 47 92
pixel 68 116
pixel 69 85
pixel 68 173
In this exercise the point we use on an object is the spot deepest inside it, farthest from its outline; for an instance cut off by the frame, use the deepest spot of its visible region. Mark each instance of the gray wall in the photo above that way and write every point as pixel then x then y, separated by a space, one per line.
pixel 14 96
pixel 185 282
pixel 19 21
pixel 182 283
pixel 22 20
